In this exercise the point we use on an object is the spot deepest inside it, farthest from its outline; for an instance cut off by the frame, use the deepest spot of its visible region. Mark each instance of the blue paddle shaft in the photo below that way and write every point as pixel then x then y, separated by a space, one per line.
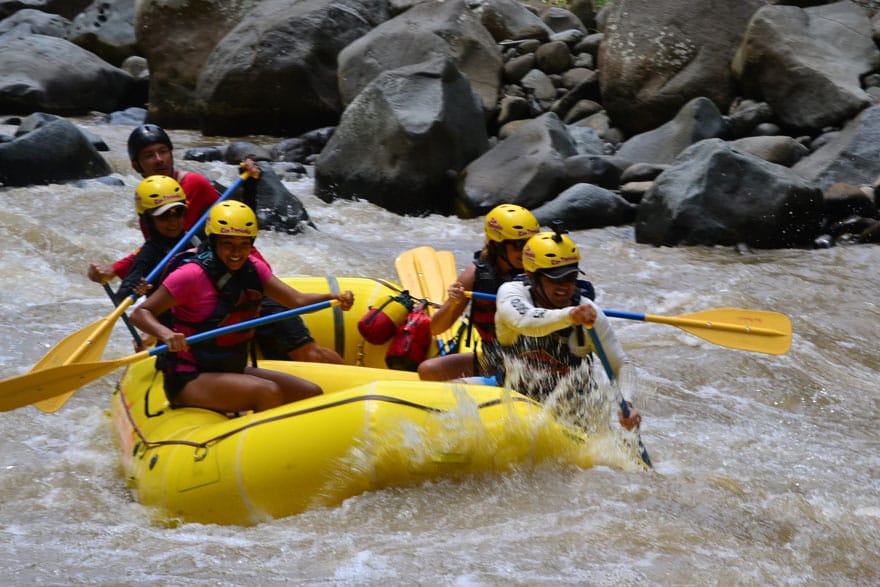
pixel 600 350
pixel 627 315
pixel 246 325
pixel 609 313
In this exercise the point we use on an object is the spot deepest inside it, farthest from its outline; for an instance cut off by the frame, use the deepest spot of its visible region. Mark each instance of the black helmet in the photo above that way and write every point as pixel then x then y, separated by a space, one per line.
pixel 144 136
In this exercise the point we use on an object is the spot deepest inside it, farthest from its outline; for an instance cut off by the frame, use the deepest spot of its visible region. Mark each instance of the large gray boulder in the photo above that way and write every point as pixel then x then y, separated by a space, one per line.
pixel 106 28
pixel 276 207
pixel 585 206
pixel 715 195
pixel 66 8
pixel 658 55
pixel 56 151
pixel 526 168
pixel 697 120
pixel 176 38
pixel 852 156
pixel 511 20
pixel 28 21
pixel 276 71
pixel 808 63
pixel 430 29
pixel 403 140
pixel 48 74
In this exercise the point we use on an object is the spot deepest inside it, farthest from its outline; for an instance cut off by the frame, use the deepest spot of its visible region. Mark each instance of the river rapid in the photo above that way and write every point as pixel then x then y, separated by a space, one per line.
pixel 766 467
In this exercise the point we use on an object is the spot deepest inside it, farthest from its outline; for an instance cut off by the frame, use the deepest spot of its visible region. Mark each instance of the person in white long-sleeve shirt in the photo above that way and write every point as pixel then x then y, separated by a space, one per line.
pixel 541 321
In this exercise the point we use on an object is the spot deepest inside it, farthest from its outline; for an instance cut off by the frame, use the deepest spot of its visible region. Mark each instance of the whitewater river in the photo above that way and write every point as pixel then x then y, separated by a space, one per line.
pixel 766 466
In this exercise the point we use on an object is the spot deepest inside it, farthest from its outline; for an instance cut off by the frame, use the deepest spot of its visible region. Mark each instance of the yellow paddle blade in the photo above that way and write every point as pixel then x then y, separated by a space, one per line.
pixel 36 386
pixel 747 330
pixel 64 350
pixel 86 344
pixel 430 274
pixel 409 265
pixel 448 272
pixel 427 274
pixel 93 352
pixel 434 268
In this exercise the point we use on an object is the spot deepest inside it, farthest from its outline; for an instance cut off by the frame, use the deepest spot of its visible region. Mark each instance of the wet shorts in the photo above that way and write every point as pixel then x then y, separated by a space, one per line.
pixel 277 339
pixel 175 382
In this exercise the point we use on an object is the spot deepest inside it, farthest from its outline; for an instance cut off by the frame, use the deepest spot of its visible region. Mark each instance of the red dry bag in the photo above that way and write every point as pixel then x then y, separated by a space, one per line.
pixel 379 324
pixel 410 345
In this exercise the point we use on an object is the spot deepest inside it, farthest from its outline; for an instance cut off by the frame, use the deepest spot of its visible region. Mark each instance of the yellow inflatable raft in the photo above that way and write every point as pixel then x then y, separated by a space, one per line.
pixel 372 428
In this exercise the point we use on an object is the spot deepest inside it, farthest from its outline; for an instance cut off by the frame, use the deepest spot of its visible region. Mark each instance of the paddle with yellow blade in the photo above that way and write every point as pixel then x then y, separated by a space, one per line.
pixel 746 330
pixel 48 383
pixel 88 343
pixel 427 273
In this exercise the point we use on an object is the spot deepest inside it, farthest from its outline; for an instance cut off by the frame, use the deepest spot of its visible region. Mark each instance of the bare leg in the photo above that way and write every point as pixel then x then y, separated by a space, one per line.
pixel 293 388
pixel 254 390
pixel 447 368
pixel 312 352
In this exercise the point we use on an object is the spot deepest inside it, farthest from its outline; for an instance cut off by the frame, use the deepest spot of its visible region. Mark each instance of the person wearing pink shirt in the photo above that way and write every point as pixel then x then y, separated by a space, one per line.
pixel 222 285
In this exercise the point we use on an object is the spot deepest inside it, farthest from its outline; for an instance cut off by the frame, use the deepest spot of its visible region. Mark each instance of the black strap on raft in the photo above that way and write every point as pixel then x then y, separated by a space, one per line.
pixel 338 317
pixel 252 348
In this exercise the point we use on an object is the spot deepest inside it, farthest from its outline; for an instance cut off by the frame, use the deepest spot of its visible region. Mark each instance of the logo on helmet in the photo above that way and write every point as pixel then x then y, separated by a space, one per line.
pixel 160 200
pixel 521 232
pixel 564 260
pixel 494 226
pixel 233 231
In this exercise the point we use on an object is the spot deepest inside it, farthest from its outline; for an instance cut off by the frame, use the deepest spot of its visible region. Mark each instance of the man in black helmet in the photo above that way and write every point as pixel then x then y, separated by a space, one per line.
pixel 150 152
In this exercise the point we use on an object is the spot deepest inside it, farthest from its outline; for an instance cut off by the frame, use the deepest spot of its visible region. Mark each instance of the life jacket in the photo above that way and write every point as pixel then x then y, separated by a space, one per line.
pixel 546 359
pixel 184 256
pixel 486 280
pixel 240 296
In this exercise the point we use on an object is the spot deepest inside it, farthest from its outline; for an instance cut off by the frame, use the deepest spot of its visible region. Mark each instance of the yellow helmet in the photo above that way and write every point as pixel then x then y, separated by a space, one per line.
pixel 231 219
pixel 158 193
pixel 551 253
pixel 509 222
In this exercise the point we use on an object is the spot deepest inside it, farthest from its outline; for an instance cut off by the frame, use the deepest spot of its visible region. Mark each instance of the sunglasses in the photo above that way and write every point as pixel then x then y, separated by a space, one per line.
pixel 570 278
pixel 176 212
pixel 517 245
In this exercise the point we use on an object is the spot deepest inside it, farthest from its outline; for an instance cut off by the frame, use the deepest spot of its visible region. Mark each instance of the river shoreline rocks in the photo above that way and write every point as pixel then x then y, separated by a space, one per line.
pixel 697 122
